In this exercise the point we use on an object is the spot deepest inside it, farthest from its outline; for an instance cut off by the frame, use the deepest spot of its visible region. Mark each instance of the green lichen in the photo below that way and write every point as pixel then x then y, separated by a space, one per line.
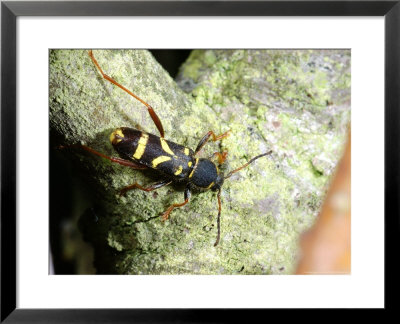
pixel 284 101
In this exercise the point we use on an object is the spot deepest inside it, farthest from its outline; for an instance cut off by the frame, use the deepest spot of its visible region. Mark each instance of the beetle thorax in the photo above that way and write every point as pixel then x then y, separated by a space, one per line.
pixel 205 174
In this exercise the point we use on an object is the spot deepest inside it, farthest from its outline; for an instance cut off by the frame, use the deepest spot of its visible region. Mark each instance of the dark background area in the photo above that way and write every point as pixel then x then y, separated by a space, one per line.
pixel 67 191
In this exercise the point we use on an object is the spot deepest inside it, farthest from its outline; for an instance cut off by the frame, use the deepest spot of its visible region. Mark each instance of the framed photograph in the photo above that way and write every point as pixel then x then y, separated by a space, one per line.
pixel 193 153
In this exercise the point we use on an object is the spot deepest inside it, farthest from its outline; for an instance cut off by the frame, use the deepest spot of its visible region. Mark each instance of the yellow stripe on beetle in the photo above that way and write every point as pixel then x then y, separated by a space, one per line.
pixel 141 146
pixel 179 171
pixel 159 160
pixel 186 151
pixel 117 133
pixel 211 184
pixel 194 168
pixel 165 146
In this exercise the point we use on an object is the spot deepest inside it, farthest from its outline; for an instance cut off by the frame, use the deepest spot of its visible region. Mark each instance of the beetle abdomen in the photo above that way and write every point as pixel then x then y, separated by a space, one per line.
pixel 155 152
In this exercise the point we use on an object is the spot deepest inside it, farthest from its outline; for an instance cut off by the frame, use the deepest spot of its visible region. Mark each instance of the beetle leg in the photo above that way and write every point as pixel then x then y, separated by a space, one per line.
pixel 165 216
pixel 152 187
pixel 150 109
pixel 123 162
pixel 206 138
pixel 221 156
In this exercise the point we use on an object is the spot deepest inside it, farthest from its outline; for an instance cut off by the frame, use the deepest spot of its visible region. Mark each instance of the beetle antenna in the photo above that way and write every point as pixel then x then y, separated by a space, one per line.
pixel 219 218
pixel 245 165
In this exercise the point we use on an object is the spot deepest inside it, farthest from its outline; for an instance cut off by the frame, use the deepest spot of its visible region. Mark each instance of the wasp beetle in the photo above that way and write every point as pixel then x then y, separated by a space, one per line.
pixel 177 163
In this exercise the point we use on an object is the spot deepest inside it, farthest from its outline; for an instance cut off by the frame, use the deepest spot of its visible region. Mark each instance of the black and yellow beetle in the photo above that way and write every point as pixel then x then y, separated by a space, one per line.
pixel 141 150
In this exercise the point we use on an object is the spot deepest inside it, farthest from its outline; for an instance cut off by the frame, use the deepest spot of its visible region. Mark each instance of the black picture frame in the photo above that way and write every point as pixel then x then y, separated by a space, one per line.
pixel 9 13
